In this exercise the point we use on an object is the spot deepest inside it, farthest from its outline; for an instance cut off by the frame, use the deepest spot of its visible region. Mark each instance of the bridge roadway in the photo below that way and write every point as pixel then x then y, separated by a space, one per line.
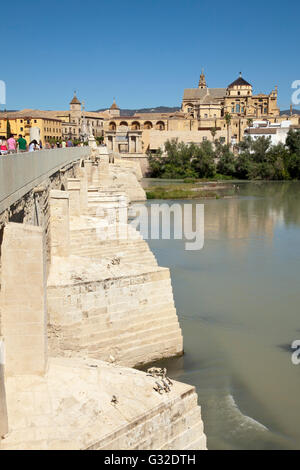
pixel 21 172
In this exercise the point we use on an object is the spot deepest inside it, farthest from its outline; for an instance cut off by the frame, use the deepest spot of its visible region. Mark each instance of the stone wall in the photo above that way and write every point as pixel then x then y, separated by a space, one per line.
pixel 23 299
pixel 3 408
pixel 107 299
pixel 93 405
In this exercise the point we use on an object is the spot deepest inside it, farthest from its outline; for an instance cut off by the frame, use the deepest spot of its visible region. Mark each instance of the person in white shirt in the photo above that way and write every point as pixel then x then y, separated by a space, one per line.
pixel 33 146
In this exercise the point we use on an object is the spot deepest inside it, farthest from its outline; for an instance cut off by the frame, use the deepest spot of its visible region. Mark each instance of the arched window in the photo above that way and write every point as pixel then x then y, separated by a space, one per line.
pixel 135 126
pixel 160 125
pixel 238 108
pixel 123 124
pixel 148 125
pixel 112 126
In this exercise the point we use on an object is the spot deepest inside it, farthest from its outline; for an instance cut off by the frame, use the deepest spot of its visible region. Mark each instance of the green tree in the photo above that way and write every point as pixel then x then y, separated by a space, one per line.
pixel 213 132
pixel 227 118
pixel 203 161
pixel 8 129
pixel 226 160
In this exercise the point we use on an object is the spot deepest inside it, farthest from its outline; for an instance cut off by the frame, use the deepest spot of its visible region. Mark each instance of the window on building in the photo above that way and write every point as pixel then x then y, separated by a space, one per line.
pixel 205 115
pixel 35 120
pixel 266 110
pixel 205 138
pixel 232 109
pixel 238 108
pixel 21 128
pixel 28 121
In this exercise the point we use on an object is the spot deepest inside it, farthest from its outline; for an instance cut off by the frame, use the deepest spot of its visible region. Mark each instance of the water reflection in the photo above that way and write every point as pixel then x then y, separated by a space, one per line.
pixel 238 304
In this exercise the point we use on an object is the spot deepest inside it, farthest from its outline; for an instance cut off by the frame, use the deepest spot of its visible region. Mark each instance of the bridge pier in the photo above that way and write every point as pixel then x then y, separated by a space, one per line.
pixel 3 408
pixel 59 223
pixel 23 291
pixel 74 196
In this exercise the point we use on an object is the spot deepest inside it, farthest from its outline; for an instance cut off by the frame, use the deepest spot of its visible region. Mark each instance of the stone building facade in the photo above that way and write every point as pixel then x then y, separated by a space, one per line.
pixel 77 120
pixel 21 123
pixel 202 117
pixel 237 99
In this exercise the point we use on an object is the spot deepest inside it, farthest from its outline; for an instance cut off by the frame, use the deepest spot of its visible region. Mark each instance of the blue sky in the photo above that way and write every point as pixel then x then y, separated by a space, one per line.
pixel 144 52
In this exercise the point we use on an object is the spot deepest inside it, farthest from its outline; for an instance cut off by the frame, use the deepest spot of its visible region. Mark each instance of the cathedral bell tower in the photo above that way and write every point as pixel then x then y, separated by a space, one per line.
pixel 202 81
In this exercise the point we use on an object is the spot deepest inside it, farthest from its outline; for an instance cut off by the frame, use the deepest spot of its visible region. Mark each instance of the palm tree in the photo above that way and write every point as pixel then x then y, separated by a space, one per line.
pixel 227 118
pixel 213 132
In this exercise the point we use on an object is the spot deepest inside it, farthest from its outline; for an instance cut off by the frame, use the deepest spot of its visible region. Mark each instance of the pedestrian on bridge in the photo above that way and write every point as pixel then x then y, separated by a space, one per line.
pixel 22 143
pixel 33 146
pixel 11 144
pixel 3 146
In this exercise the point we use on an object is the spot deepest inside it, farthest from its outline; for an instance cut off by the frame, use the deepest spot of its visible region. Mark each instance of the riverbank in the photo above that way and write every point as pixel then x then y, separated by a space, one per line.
pixel 189 190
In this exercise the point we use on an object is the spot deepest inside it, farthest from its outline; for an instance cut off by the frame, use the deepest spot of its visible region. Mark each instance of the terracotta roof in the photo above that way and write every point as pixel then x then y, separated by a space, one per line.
pixel 204 94
pixel 260 131
pixel 88 114
pixel 28 114
pixel 75 100
pixel 239 82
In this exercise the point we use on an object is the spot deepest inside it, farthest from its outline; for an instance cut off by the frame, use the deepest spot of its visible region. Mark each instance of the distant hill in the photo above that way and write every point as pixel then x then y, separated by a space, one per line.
pixel 158 109
pixel 287 111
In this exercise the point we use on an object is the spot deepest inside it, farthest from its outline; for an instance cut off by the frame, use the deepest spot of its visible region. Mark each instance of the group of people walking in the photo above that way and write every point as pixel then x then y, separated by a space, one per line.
pixel 12 145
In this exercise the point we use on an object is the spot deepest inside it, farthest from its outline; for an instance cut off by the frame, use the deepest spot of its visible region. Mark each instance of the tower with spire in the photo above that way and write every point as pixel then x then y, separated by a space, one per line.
pixel 202 81
pixel 114 110
pixel 75 104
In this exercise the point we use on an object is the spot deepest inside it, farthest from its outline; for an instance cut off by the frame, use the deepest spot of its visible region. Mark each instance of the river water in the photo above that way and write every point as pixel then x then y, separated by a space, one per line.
pixel 238 304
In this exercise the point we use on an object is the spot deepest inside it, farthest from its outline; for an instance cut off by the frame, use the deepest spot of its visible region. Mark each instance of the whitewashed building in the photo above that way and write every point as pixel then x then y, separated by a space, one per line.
pixel 277 131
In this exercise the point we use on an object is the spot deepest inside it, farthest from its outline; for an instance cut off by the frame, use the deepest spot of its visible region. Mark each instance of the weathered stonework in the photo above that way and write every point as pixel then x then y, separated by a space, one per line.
pixel 107 300
pixel 94 405
pixel 107 297
pixel 3 408
pixel 23 296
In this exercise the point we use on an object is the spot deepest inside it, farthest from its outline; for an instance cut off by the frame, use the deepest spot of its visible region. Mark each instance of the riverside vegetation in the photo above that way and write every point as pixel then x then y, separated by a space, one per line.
pixel 254 160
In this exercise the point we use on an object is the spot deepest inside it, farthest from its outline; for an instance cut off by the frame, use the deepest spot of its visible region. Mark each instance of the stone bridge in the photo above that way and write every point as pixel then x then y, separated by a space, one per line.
pixel 78 302
pixel 21 173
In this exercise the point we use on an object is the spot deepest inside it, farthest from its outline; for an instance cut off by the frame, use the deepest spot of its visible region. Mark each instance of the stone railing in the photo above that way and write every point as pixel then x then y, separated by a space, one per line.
pixel 21 172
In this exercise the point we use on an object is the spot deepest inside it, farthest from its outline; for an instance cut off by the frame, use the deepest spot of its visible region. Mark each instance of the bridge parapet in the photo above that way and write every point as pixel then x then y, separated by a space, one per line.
pixel 21 172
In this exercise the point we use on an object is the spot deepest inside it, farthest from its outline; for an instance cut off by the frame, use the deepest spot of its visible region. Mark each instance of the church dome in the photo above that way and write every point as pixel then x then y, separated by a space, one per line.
pixel 114 105
pixel 239 82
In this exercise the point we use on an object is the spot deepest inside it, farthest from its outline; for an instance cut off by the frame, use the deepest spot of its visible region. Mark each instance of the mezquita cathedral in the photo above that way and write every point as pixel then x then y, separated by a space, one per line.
pixel 202 117
pixel 237 99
